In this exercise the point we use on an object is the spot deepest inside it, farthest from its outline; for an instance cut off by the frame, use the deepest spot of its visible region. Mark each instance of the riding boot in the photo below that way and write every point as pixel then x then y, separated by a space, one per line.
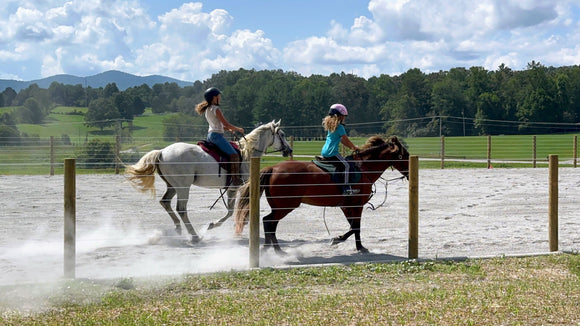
pixel 236 180
pixel 346 188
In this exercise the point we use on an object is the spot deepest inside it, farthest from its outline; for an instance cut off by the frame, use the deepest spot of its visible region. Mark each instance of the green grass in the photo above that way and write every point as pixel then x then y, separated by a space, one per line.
pixel 147 134
pixel 509 291
pixel 507 148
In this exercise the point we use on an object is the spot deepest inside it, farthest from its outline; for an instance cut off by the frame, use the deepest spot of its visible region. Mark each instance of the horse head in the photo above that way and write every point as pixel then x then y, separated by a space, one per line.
pixel 279 142
pixel 390 151
pixel 266 135
pixel 401 160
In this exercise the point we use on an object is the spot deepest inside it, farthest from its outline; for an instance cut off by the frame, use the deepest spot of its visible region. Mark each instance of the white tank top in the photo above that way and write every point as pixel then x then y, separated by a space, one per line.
pixel 215 125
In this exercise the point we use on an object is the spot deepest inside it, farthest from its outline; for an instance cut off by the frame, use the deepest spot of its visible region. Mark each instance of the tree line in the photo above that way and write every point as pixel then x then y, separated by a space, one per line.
pixel 461 101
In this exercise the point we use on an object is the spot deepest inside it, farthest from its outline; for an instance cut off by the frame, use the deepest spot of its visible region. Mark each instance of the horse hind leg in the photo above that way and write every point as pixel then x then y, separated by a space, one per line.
pixel 182 199
pixel 270 222
pixel 166 203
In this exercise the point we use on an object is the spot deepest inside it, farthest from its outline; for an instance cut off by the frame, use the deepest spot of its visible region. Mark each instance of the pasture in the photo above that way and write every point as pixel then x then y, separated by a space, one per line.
pixel 33 155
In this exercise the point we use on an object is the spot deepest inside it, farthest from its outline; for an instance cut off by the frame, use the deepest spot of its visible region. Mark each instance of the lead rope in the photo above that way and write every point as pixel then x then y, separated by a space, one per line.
pixel 373 207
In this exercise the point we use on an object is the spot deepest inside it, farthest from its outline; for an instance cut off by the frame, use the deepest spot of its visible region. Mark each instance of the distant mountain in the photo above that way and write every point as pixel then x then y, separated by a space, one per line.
pixel 123 81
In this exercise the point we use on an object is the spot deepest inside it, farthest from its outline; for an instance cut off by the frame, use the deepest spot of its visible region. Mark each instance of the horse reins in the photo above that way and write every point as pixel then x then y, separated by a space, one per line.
pixel 374 191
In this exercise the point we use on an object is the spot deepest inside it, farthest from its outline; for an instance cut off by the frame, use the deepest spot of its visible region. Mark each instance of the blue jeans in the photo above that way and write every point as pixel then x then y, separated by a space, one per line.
pixel 221 142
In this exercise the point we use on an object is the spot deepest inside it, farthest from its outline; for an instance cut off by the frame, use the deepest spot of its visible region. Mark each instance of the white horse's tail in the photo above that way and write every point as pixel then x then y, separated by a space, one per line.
pixel 141 175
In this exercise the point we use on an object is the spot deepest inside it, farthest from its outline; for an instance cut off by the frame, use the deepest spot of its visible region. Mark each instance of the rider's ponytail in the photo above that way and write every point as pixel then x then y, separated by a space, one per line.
pixel 201 107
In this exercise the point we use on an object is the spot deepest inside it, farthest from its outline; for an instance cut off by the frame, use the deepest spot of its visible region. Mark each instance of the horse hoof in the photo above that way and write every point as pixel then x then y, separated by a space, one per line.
pixel 210 226
pixel 195 239
pixel 335 241
pixel 363 250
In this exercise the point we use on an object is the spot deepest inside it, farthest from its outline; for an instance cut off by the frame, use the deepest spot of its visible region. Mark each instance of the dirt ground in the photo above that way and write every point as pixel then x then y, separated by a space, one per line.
pixel 120 232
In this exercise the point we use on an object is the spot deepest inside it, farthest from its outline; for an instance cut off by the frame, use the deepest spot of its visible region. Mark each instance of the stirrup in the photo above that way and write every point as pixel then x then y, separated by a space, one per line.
pixel 347 190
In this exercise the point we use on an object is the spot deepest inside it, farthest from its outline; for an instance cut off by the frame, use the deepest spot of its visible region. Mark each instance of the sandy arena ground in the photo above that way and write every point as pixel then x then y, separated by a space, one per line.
pixel 463 213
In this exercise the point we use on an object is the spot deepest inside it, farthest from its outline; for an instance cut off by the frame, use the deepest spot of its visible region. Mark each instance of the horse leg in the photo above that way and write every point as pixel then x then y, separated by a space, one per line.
pixel 270 222
pixel 182 198
pixel 352 215
pixel 231 193
pixel 342 238
pixel 355 226
pixel 166 203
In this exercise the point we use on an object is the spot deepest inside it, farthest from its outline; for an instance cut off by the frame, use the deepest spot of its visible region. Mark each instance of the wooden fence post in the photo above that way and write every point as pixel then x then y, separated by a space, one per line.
pixel 51 155
pixel 413 207
pixel 553 209
pixel 69 218
pixel 442 152
pixel 254 212
pixel 489 152
pixel 534 152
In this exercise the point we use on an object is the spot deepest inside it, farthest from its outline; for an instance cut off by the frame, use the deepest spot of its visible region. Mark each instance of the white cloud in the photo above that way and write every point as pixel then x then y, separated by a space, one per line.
pixel 194 43
pixel 191 43
pixel 437 34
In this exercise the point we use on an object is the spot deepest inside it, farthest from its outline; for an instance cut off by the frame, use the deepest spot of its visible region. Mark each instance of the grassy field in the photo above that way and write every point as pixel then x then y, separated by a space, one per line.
pixel 509 291
pixel 32 157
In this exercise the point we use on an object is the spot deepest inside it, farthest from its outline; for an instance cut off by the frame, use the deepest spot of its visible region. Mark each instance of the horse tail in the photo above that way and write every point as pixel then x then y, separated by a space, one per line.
pixel 141 175
pixel 242 204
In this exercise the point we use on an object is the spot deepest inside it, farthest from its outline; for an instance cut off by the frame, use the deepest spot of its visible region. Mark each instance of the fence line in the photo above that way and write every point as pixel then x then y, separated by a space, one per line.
pixel 50 152
pixel 553 193
pixel 254 242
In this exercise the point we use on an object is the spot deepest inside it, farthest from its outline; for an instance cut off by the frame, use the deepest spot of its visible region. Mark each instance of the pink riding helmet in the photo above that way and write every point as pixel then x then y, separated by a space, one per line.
pixel 338 109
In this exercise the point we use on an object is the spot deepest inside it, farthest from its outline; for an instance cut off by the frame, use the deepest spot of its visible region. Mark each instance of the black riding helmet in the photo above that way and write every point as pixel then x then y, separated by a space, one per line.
pixel 210 93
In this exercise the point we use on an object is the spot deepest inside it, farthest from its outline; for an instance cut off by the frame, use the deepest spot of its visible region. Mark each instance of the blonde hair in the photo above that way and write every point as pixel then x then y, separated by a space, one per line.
pixel 330 122
pixel 201 107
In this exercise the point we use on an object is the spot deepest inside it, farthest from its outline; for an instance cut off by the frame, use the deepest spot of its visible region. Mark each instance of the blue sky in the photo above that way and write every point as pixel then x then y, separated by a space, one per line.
pixel 193 40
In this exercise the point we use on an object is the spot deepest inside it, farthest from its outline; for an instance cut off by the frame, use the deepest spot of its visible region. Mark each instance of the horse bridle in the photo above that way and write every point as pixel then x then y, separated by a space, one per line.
pixel 277 134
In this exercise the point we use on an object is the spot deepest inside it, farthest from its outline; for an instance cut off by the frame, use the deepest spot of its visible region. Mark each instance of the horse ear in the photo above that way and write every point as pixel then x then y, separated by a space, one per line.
pixel 278 123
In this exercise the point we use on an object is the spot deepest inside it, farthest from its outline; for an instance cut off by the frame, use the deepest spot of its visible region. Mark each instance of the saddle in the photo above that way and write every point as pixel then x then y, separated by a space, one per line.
pixel 335 170
pixel 220 156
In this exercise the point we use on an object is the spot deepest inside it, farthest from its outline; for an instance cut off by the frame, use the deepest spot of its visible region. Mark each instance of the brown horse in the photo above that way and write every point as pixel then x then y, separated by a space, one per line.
pixel 290 183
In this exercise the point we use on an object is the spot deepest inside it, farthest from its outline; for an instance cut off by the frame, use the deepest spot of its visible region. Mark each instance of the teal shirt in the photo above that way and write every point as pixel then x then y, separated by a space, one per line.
pixel 330 148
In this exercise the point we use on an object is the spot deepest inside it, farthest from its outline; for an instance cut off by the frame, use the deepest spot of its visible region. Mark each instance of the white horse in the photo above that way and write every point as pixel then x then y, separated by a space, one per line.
pixel 180 165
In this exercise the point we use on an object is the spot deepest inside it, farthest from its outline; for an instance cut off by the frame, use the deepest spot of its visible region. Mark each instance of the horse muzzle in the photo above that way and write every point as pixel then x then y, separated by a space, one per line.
pixel 287 151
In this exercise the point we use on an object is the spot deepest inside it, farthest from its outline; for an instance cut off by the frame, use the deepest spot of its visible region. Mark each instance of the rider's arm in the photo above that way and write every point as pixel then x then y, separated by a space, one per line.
pixel 227 125
pixel 346 142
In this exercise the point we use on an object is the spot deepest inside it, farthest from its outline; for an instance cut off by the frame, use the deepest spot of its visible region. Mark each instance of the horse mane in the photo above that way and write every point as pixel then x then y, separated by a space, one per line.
pixel 250 139
pixel 377 143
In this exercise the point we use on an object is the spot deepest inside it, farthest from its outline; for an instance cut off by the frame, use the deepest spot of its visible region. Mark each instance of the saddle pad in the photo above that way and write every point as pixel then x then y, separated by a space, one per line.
pixel 337 177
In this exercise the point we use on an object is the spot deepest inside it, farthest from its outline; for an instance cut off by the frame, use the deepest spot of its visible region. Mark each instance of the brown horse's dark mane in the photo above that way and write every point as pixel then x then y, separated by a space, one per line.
pixel 376 144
